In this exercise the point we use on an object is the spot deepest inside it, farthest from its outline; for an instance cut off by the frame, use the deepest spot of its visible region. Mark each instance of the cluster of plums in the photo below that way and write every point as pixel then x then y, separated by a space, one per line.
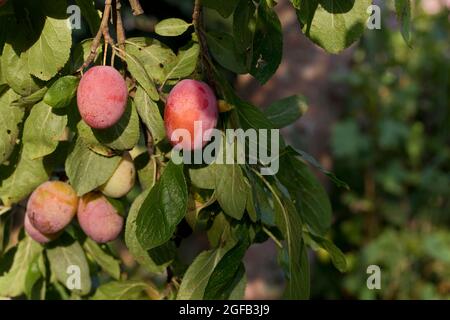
pixel 102 98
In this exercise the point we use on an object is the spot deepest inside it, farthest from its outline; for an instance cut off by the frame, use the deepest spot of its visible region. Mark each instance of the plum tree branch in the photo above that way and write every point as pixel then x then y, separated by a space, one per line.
pixel 119 26
pixel 102 31
pixel 206 62
pixel 136 7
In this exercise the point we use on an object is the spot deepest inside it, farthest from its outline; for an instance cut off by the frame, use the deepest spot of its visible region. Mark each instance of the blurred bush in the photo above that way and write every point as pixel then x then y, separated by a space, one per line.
pixel 392 146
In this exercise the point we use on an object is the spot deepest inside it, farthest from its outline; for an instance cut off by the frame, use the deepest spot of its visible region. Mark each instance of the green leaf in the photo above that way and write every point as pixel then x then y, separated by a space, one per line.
pixel 231 190
pixel 121 290
pixel 268 44
pixel 297 266
pixel 32 99
pixel 240 284
pixel 147 169
pixel 171 27
pixel 219 230
pixel 50 52
pixel 88 170
pixel 223 48
pixel 16 71
pixel 244 27
pixel 295 256
pixel 156 57
pixel 333 25
pixel 149 112
pixel 261 200
pixel 403 8
pixel 32 277
pixel 64 254
pixel 42 131
pixel 311 199
pixel 252 117
pixel 138 71
pixel 225 8
pixel 286 111
pixel 185 63
pixel 337 257
pixel 312 161
pixel 204 178
pixel 61 92
pixel 10 119
pixel 21 177
pixel 163 209
pixel 137 251
pixel 197 275
pixel 12 284
pixel 124 135
pixel 228 273
pixel 107 262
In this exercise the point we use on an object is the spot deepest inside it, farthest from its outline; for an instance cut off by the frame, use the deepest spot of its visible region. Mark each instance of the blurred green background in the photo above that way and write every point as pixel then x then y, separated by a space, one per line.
pixel 392 145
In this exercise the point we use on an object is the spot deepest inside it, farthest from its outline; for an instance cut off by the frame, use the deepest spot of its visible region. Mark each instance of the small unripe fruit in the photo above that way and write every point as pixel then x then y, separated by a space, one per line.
pixel 102 97
pixel 98 218
pixel 52 206
pixel 190 102
pixel 123 179
pixel 36 235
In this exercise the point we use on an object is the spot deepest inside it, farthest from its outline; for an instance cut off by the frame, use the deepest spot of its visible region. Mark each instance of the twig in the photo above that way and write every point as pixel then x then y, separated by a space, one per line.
pixel 136 7
pixel 206 62
pixel 104 26
pixel 119 26
pixel 103 30
pixel 105 53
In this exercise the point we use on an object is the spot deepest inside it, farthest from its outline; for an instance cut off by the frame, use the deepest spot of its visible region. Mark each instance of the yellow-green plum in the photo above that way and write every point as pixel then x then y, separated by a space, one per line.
pixel 123 179
pixel 190 103
pixel 98 218
pixel 52 206
pixel 102 97
pixel 36 235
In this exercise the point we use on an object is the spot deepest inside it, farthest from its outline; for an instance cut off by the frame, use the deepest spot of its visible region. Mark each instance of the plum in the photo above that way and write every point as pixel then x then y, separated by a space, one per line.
pixel 52 206
pixel 190 102
pixel 98 218
pixel 36 235
pixel 102 97
pixel 123 179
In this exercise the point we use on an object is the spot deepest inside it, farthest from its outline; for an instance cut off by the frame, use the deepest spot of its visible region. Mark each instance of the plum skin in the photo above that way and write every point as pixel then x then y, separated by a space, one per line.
pixel 36 235
pixel 98 218
pixel 52 206
pixel 102 97
pixel 122 180
pixel 190 101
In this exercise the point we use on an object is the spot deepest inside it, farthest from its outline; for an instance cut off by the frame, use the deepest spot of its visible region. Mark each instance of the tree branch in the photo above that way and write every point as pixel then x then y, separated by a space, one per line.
pixel 206 61
pixel 103 30
pixel 136 7
pixel 119 26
